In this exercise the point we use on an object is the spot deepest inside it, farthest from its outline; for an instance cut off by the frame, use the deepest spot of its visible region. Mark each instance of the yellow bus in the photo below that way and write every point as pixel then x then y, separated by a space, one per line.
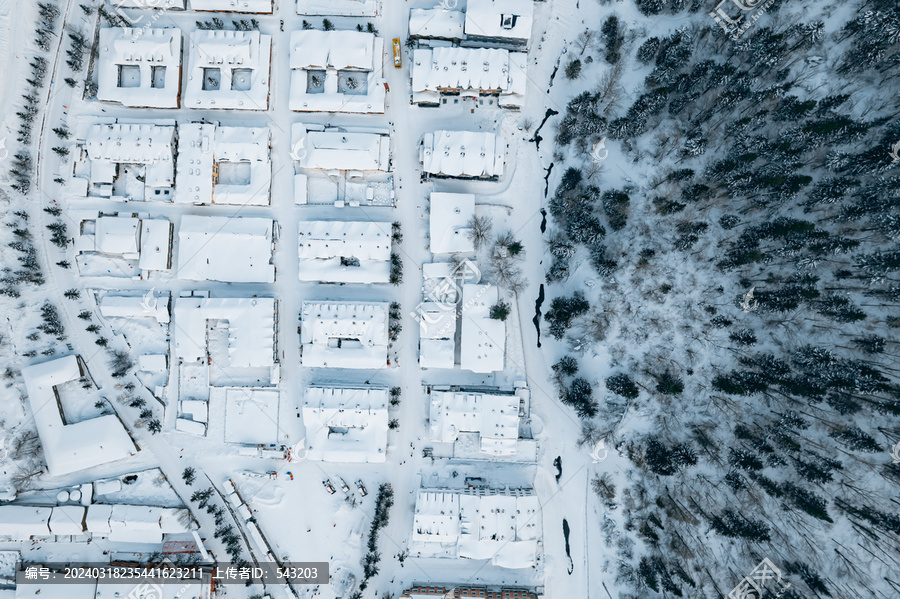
pixel 397 52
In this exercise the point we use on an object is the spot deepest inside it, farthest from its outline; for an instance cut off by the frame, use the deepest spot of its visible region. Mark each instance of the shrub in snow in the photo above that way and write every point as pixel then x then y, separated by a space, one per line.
pixel 647 52
pixel 666 461
pixel 613 36
pixel 567 366
pixel 857 439
pixel 573 69
pixel 580 395
pixel 500 310
pixel 563 310
pixel 743 337
pixel 621 384
pixel 669 384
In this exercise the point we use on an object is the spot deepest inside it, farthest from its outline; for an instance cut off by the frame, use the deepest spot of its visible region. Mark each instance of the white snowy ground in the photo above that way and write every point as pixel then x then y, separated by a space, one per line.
pixel 298 516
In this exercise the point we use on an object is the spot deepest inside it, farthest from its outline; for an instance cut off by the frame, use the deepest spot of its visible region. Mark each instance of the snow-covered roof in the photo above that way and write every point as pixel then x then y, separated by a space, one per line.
pixel 465 69
pixel 228 69
pixel 341 8
pixel 97 519
pixel 506 20
pixel 53 590
pixel 251 328
pixel 255 6
pixel 468 71
pixel 437 320
pixel 345 252
pixel 194 169
pixel 463 154
pixel 437 353
pixel 514 95
pixel 498 525
pixel 335 149
pixel 316 49
pixel 150 4
pixel 502 528
pixel 345 425
pixel 140 67
pixel 221 248
pixel 130 143
pixel 67 520
pixel 185 589
pixel 323 65
pixel 156 244
pixel 153 362
pixel 198 410
pixel 436 23
pixel 117 235
pixel 436 518
pixel 140 524
pixel 449 216
pixel 223 165
pixel 494 417
pixel 343 335
pixel 482 339
pixel 431 591
pixel 18 522
pixel 136 306
pixel 71 447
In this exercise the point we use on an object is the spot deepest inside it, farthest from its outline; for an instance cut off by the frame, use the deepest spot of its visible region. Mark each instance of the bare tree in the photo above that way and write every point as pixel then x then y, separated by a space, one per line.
pixel 480 230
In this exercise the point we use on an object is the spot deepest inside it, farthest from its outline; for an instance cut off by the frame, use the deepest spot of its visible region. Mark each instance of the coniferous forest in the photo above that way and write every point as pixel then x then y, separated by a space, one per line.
pixel 744 268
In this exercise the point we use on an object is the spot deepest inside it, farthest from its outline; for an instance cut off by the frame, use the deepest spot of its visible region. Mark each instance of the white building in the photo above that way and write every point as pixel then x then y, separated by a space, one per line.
pixel 437 23
pixel 118 523
pixel 223 165
pixel 251 329
pixel 346 425
pixel 486 422
pixel 437 314
pixel 437 335
pixel 336 149
pixel 141 244
pixel 140 67
pixel 503 526
pixel 71 447
pixel 228 69
pixel 449 217
pixel 251 6
pixel 463 154
pixel 482 339
pixel 507 21
pixel 148 305
pixel 229 249
pixel 345 252
pixel 343 335
pixel 339 8
pixel 337 71
pixel 469 72
pixel 133 161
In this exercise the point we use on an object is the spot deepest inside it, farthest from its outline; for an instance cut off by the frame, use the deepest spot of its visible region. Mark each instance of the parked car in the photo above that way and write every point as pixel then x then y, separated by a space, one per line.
pixel 329 487
pixel 362 488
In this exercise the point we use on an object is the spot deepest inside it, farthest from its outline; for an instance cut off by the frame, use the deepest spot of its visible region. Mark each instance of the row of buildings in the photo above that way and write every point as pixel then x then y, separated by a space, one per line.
pixel 203 163
pixel 493 20
pixel 331 71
